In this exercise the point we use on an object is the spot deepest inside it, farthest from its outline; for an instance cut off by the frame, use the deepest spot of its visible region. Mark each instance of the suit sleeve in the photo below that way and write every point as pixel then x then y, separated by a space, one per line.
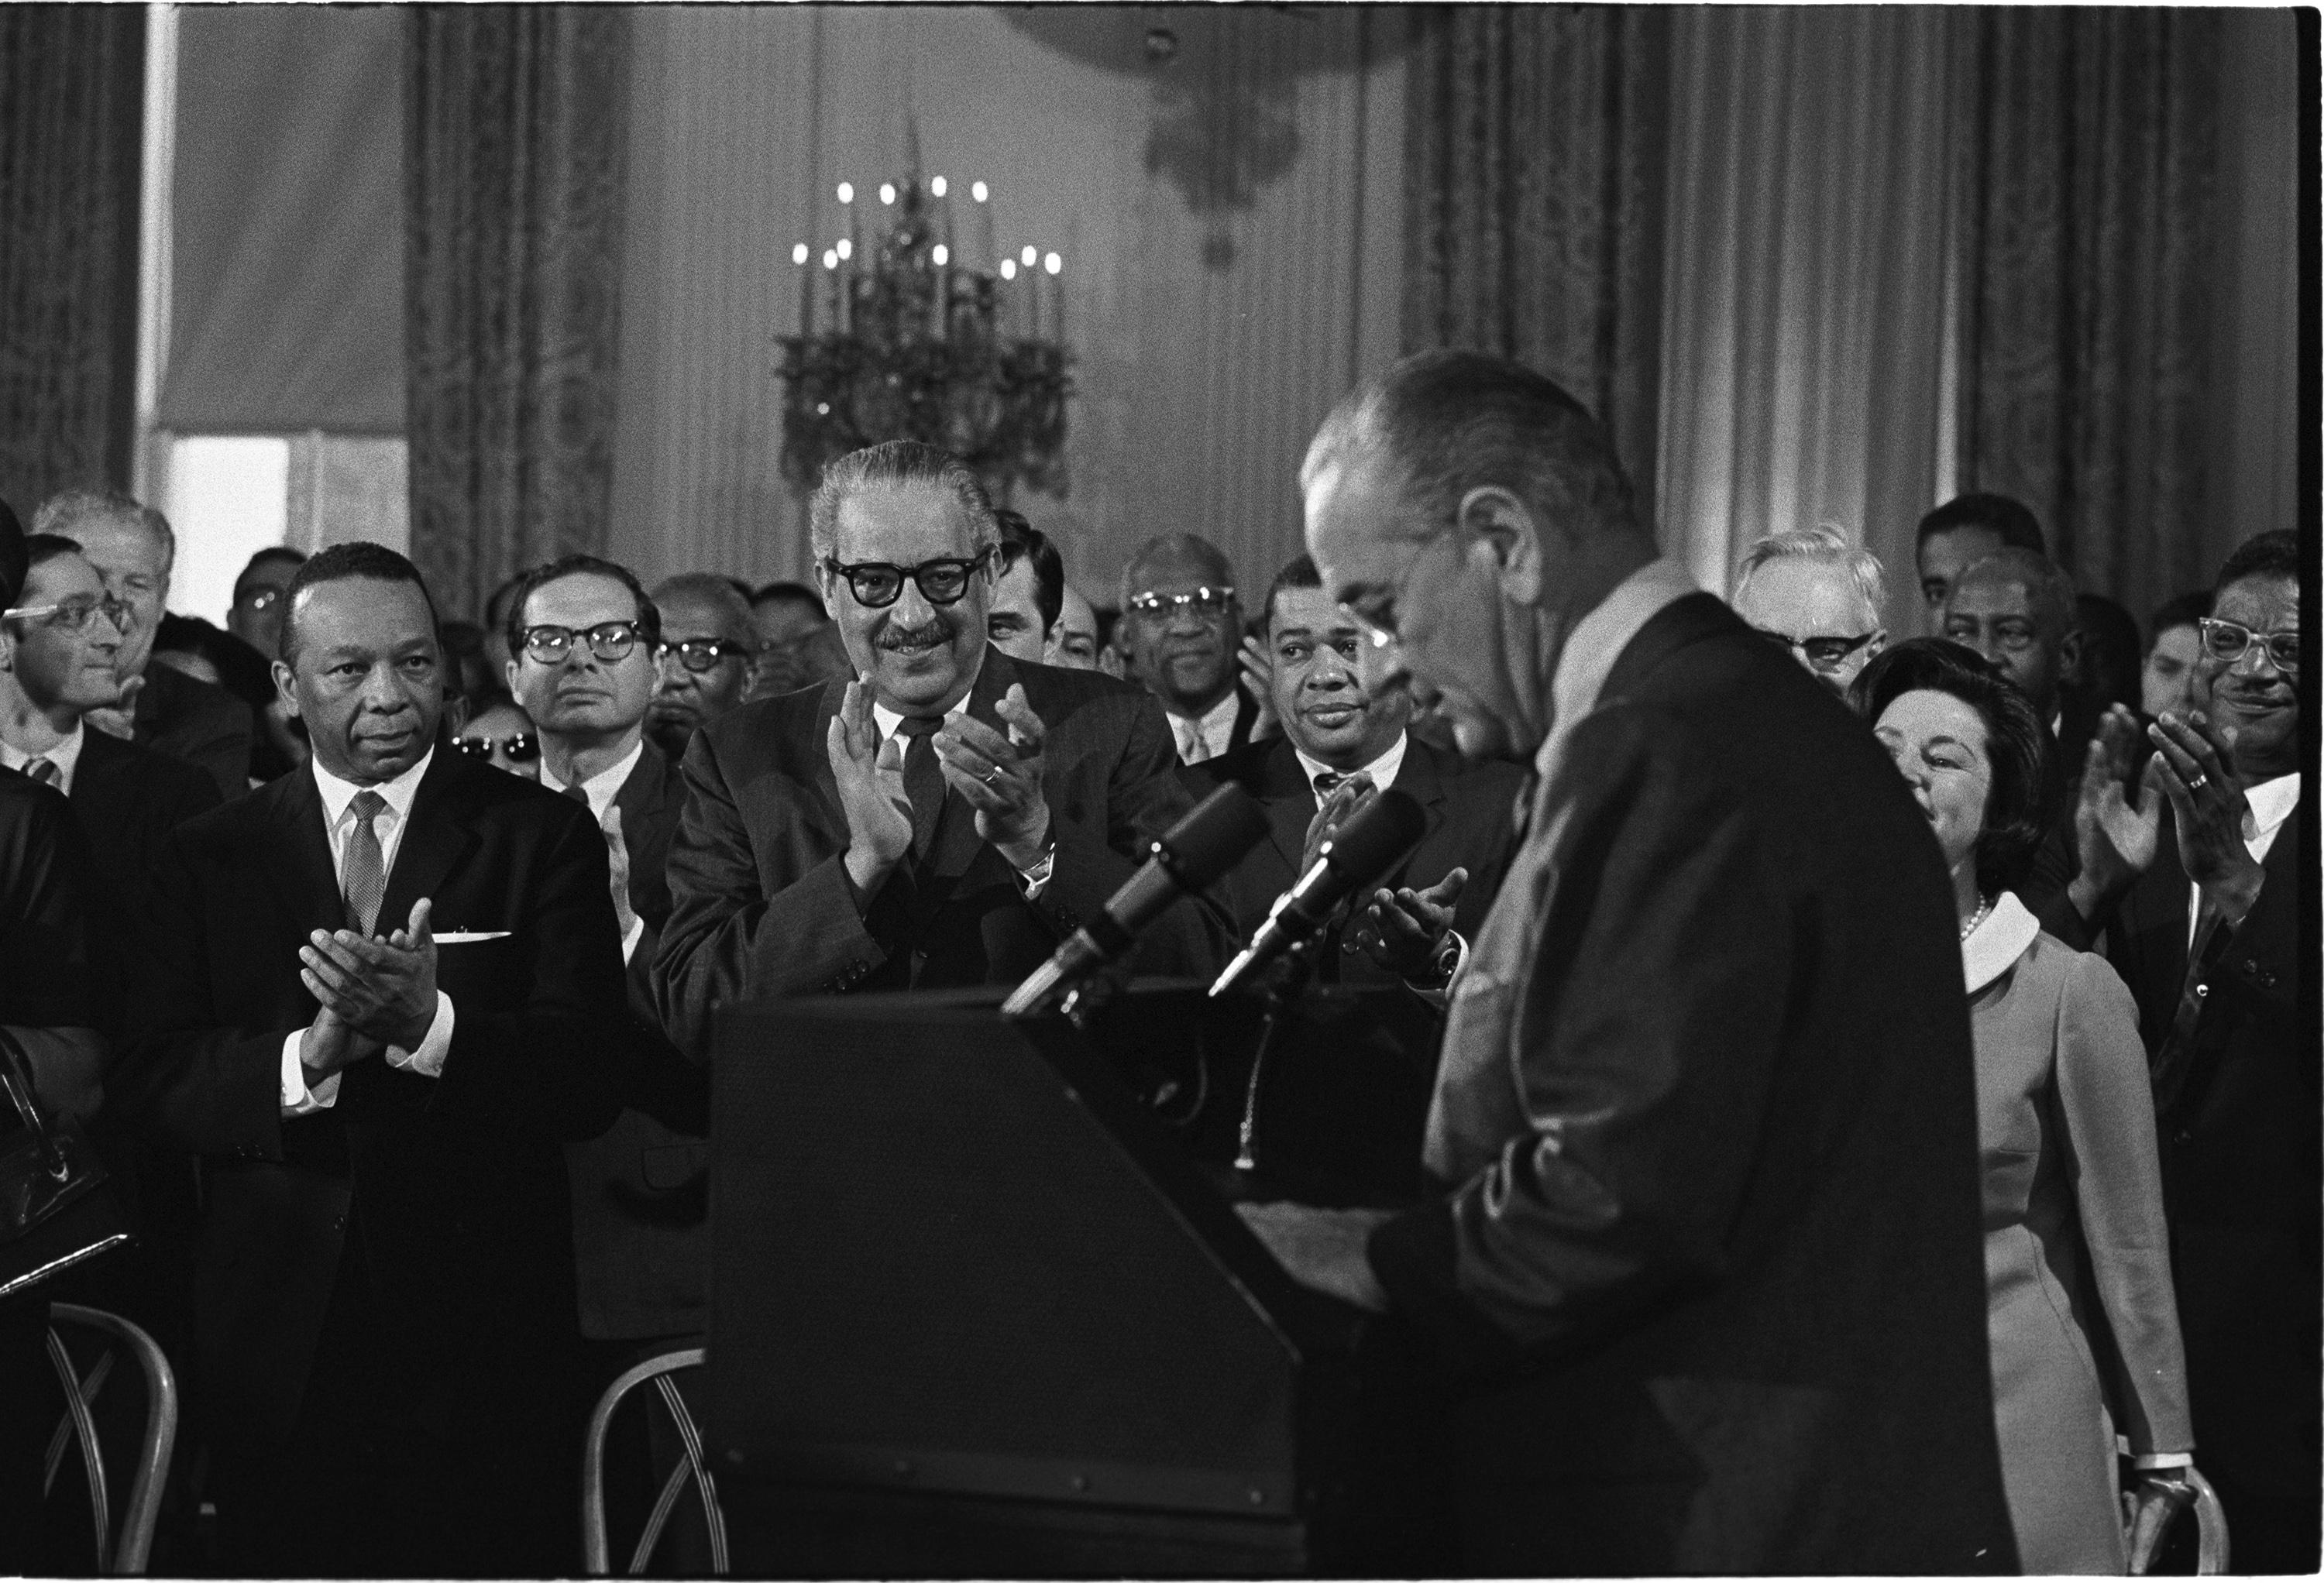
pixel 2111 1159
pixel 44 949
pixel 560 1062
pixel 727 939
pixel 1648 1028
pixel 216 740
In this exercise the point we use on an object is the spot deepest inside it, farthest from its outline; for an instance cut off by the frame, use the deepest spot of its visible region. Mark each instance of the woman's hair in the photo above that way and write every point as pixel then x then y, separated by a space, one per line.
pixel 2016 816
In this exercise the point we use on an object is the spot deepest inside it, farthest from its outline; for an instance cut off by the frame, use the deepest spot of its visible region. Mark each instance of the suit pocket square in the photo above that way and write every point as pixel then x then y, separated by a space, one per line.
pixel 472 936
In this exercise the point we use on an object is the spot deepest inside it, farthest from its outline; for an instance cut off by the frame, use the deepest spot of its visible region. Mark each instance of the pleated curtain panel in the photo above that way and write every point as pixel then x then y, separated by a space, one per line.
pixel 72 81
pixel 515 121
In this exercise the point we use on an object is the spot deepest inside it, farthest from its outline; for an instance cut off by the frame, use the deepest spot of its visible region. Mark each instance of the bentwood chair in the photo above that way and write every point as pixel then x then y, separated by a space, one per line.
pixel 124 1555
pixel 597 1551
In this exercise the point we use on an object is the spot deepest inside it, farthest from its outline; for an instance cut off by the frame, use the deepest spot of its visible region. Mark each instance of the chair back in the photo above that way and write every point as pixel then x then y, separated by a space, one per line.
pixel 124 1554
pixel 596 1549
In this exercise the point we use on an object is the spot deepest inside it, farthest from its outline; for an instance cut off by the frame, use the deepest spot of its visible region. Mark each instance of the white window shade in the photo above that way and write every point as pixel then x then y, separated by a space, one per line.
pixel 287 257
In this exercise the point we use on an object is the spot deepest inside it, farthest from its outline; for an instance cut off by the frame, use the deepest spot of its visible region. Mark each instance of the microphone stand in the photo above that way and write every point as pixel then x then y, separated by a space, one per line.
pixel 1283 992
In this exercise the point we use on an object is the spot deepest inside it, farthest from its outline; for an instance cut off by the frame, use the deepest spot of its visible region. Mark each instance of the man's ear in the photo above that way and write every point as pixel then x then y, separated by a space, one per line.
pixel 2070 658
pixel 1503 528
pixel 285 689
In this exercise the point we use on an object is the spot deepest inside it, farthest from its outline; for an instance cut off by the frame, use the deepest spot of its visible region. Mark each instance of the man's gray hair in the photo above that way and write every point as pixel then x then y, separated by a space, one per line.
pixel 1827 545
pixel 729 611
pixel 899 465
pixel 1446 422
pixel 63 511
pixel 1192 546
pixel 2048 588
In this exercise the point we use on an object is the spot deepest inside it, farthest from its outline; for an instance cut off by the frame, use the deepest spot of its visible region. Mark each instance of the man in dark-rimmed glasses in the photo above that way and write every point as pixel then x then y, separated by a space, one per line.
pixel 1816 595
pixel 942 817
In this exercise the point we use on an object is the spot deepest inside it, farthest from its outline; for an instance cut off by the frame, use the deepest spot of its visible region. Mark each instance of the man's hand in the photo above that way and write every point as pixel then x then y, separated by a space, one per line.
pixel 1404 929
pixel 1001 777
pixel 1259 680
pixel 384 990
pixel 118 718
pixel 329 1045
pixel 1322 1249
pixel 617 858
pixel 1343 802
pixel 2163 1493
pixel 2114 836
pixel 870 775
pixel 2207 800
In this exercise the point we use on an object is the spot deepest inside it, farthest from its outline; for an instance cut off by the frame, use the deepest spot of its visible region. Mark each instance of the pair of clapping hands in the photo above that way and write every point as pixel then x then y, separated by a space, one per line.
pixel 1401 930
pixel 999 775
pixel 2118 815
pixel 374 993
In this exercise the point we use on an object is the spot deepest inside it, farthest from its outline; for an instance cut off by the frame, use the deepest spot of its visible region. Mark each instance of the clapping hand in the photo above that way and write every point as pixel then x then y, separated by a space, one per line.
pixel 1258 681
pixel 870 776
pixel 1001 777
pixel 2117 813
pixel 118 718
pixel 1343 802
pixel 1404 929
pixel 2196 766
pixel 383 989
pixel 617 856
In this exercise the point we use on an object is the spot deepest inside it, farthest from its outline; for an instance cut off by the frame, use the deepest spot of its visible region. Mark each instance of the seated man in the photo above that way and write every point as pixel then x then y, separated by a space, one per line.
pixel 1181 627
pixel 1339 742
pixel 798 646
pixel 1819 596
pixel 1030 594
pixel 1073 636
pixel 705 657
pixel 375 996
pixel 946 818
pixel 133 548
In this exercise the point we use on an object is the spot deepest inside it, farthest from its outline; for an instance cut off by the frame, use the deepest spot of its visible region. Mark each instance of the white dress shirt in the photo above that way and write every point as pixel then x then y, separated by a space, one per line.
pixel 338 824
pixel 1209 736
pixel 1032 879
pixel 65 756
pixel 601 790
pixel 2271 803
pixel 1380 770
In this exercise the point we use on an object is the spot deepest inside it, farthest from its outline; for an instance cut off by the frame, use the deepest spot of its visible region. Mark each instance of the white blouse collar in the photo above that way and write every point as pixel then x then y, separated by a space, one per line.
pixel 1996 943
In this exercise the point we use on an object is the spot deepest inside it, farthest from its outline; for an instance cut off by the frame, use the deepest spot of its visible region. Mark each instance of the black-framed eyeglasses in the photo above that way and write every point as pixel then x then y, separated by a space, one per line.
pixel 877 584
pixel 701 654
pixel 72 614
pixel 610 641
pixel 1210 603
pixel 1823 653
pixel 522 748
pixel 2230 641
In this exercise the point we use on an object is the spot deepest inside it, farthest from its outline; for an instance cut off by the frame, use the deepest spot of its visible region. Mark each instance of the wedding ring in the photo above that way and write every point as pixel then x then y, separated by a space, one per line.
pixel 2200 782
pixel 991 775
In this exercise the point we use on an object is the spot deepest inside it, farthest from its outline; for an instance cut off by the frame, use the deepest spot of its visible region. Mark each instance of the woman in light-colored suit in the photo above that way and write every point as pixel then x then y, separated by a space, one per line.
pixel 2073 1199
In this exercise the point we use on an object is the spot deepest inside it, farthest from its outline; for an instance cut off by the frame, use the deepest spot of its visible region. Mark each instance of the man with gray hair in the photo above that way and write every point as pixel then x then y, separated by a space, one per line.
pixel 707 654
pixel 133 548
pixel 1816 595
pixel 945 816
pixel 1181 629
pixel 1705 1234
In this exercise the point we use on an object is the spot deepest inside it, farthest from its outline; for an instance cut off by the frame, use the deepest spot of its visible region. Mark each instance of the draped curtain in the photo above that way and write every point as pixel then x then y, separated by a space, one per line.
pixel 1534 190
pixel 514 123
pixel 73 82
pixel 2088 197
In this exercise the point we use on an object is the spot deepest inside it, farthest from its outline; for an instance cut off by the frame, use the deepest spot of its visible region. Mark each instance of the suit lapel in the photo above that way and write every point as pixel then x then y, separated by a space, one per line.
pixel 297 861
pixel 1417 779
pixel 1290 800
pixel 1683 621
pixel 436 839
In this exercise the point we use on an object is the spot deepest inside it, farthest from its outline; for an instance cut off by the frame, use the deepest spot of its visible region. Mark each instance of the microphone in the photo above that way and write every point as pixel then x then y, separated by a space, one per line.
pixel 1194 854
pixel 1362 850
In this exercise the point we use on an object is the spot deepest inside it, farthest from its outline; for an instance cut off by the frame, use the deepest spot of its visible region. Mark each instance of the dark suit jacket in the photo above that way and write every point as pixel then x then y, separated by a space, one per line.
pixel 206 726
pixel 640 1194
pixel 128 798
pixel 44 971
pixel 455 1186
pixel 1468 809
pixel 760 902
pixel 1713 1253
pixel 2240 1146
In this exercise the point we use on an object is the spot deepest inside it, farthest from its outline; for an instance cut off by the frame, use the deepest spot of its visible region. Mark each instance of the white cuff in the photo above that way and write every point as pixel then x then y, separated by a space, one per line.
pixel 428 1059
pixel 629 941
pixel 1035 879
pixel 298 1098
pixel 2154 1460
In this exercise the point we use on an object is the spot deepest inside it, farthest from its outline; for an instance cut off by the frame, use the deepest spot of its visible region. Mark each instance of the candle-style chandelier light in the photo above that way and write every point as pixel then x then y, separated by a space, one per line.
pixel 902 337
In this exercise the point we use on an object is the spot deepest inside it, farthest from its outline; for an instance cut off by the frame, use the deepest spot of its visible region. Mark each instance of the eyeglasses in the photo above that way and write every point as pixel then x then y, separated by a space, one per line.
pixel 522 748
pixel 2229 640
pixel 258 598
pixel 73 615
pixel 701 654
pixel 1823 653
pixel 609 641
pixel 1210 603
pixel 877 584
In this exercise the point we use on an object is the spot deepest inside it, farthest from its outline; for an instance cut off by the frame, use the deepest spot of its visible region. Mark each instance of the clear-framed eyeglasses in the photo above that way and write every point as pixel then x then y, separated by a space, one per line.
pixel 72 615
pixel 1211 603
pixel 2231 641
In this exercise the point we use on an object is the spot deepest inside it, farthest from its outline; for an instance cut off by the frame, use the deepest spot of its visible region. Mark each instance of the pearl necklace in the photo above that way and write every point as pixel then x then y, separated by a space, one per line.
pixel 1984 905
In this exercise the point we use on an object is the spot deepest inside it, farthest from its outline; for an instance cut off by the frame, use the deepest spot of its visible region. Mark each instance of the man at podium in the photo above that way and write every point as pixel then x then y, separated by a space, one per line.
pixel 1705 1254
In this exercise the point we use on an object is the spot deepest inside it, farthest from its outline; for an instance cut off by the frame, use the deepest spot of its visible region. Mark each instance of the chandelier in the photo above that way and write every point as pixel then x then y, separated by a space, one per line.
pixel 905 339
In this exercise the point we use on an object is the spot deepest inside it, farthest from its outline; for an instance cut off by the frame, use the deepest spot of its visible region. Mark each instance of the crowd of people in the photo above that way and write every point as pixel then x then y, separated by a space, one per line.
pixel 1771 1227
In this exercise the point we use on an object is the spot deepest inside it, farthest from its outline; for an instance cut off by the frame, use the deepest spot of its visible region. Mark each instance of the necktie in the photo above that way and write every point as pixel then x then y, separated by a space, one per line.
pixel 366 873
pixel 46 772
pixel 1324 781
pixel 923 779
pixel 1193 748
pixel 575 793
pixel 2173 1061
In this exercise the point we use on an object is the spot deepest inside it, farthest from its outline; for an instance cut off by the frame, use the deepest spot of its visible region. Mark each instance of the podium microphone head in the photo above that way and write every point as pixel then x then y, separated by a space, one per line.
pixel 1359 852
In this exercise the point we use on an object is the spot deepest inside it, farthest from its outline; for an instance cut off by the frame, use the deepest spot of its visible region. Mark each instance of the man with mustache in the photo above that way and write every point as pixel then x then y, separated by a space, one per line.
pixel 944 818
pixel 2192 862
pixel 376 996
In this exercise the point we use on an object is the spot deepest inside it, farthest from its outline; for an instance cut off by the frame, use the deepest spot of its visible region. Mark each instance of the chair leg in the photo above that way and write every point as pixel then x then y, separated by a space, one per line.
pixel 92 1457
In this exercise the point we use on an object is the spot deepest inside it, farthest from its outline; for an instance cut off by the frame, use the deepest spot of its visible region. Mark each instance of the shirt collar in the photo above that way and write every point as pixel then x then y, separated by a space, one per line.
pixel 1597 641
pixel 65 755
pixel 2272 801
pixel 2003 935
pixel 887 719
pixel 1382 769
pixel 602 787
pixel 337 794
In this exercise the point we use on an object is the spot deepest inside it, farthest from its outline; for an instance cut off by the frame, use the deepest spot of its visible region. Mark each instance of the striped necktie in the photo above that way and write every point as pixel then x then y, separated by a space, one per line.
pixel 46 772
